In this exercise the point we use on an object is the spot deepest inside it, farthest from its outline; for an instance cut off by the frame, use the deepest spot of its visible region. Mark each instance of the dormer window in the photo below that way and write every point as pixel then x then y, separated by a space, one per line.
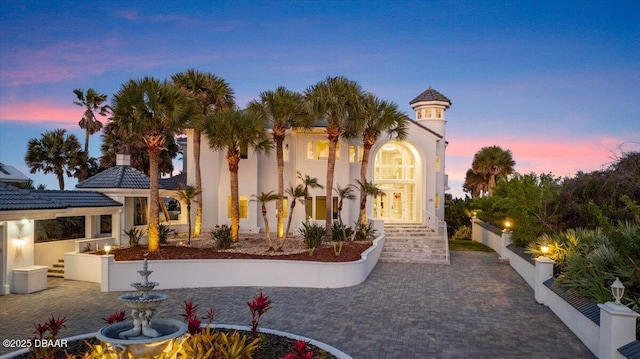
pixel 427 113
pixel 419 114
pixel 439 113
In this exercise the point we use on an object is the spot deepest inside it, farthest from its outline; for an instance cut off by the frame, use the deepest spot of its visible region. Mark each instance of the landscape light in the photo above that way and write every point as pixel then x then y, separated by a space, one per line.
pixel 544 248
pixel 107 248
pixel 507 225
pixel 617 289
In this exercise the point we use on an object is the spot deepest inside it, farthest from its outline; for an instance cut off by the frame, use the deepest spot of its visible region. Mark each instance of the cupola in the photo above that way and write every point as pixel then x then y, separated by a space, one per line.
pixel 430 107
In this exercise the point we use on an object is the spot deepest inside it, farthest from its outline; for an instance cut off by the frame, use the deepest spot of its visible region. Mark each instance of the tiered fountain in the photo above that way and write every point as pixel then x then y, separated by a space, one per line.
pixel 143 335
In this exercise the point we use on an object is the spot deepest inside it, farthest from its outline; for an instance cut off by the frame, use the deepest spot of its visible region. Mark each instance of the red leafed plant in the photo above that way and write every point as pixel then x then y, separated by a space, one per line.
pixel 260 305
pixel 116 317
pixel 48 331
pixel 300 351
pixel 190 315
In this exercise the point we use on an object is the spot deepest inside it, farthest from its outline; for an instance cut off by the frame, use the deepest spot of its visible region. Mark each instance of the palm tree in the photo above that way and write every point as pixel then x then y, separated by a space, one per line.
pixel 343 193
pixel 379 117
pixel 148 109
pixel 492 163
pixel 338 101
pixel 115 140
pixel 187 195
pixel 92 101
pixel 236 131
pixel 283 109
pixel 54 153
pixel 265 198
pixel 369 189
pixel 297 194
pixel 474 184
pixel 308 182
pixel 211 93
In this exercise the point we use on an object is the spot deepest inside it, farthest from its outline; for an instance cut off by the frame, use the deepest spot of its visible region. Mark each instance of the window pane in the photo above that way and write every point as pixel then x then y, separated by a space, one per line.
pixel 321 202
pixel 309 150
pixel 322 150
pixel 352 154
pixel 244 207
pixel 140 215
pixel 334 209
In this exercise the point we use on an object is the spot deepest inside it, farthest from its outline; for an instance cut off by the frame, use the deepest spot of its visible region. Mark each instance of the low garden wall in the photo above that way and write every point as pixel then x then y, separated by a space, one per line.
pixel 583 319
pixel 188 273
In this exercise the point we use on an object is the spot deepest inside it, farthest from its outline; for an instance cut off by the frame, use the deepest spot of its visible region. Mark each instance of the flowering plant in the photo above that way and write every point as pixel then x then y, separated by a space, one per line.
pixel 260 305
pixel 300 351
pixel 116 317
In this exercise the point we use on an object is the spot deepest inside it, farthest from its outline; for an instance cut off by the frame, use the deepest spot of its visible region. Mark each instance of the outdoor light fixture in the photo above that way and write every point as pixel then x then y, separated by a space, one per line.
pixel 19 242
pixel 617 289
pixel 507 225
pixel 25 221
pixel 474 214
pixel 544 248
pixel 107 248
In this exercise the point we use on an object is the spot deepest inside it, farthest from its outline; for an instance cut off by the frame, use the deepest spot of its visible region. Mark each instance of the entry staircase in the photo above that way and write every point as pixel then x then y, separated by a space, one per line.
pixel 413 243
pixel 56 270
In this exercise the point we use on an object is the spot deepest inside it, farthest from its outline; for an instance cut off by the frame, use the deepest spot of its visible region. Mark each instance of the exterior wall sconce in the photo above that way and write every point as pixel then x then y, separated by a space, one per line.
pixel 617 289
pixel 107 248
pixel 19 242
pixel 25 221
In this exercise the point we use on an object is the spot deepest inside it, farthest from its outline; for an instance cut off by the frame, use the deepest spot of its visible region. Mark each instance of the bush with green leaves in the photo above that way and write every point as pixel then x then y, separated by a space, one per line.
pixel 364 232
pixel 222 236
pixel 313 235
pixel 528 201
pixel 463 233
pixel 589 260
pixel 340 232
pixel 165 231
pixel 134 234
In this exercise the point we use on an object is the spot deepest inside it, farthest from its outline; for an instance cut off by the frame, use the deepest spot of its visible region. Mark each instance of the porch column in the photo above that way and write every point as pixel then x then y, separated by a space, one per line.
pixel 617 328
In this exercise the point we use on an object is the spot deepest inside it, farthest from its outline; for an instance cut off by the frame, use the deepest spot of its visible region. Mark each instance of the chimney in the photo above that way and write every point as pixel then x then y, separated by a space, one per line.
pixel 123 159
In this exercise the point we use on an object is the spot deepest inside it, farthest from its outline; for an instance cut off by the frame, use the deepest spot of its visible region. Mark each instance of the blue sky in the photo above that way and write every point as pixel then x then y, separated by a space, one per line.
pixel 556 82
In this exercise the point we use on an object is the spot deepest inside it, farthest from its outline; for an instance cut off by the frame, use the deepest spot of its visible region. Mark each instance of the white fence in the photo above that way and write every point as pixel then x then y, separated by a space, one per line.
pixel 617 322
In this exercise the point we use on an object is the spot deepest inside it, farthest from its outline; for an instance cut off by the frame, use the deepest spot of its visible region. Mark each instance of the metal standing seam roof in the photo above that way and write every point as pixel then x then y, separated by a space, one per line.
pixel 12 198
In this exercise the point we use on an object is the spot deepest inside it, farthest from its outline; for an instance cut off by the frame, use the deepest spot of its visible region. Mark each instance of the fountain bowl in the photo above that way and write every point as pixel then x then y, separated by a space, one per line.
pixel 170 330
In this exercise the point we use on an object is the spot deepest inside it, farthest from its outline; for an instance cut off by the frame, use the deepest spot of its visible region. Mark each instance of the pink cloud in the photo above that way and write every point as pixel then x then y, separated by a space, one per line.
pixel 38 112
pixel 562 157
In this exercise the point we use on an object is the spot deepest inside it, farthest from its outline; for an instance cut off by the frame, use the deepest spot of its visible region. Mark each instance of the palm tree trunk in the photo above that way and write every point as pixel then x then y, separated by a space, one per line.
pixel 366 150
pixel 189 222
pixel 233 161
pixel 266 226
pixel 86 142
pixel 331 165
pixel 286 234
pixel 196 159
pixel 60 176
pixel 279 204
pixel 154 230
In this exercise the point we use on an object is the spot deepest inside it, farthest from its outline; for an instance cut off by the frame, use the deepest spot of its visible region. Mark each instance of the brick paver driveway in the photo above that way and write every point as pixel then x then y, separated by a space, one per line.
pixel 474 308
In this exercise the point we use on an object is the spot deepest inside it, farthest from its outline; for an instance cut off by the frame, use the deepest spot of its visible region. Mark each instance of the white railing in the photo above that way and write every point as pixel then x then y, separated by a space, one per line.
pixel 439 226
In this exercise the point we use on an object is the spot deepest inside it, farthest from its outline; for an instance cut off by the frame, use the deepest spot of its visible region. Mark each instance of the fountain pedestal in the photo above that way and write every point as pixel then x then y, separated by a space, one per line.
pixel 144 335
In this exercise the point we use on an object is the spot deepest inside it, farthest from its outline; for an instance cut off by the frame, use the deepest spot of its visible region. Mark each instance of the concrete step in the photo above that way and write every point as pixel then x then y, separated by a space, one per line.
pixel 413 243
pixel 57 269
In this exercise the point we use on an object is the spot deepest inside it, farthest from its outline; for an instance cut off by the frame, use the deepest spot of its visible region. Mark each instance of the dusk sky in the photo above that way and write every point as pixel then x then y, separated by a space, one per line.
pixel 555 82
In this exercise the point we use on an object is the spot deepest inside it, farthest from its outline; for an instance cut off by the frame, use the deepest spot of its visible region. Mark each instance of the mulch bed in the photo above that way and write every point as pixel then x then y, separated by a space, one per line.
pixel 351 251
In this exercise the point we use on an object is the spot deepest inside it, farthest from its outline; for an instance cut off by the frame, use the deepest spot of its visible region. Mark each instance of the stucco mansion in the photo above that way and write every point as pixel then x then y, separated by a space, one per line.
pixel 411 173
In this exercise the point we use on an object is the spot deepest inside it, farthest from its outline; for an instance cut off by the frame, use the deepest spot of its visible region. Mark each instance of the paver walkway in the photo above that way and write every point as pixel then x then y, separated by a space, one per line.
pixel 474 308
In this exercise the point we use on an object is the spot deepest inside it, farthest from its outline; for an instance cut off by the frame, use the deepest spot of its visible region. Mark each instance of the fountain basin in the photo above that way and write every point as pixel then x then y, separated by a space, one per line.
pixel 170 330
